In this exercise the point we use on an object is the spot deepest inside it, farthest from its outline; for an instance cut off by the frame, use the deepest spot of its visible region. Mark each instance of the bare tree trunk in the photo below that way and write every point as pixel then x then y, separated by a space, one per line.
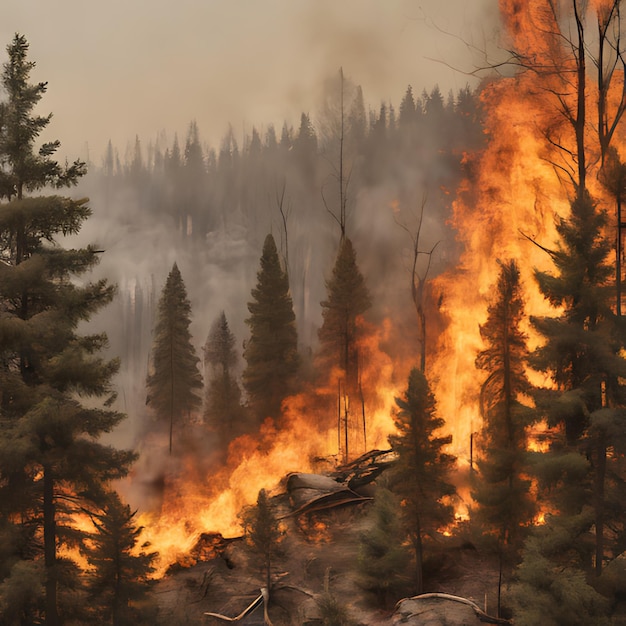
pixel 49 538
pixel 600 477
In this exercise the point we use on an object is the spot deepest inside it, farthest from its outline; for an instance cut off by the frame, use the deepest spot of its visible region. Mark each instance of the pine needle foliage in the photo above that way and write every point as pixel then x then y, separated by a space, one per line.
pixel 271 352
pixel 422 469
pixel 583 354
pixel 383 557
pixel 120 581
pixel 263 535
pixel 175 382
pixel 501 486
pixel 222 406
pixel 347 299
pixel 52 463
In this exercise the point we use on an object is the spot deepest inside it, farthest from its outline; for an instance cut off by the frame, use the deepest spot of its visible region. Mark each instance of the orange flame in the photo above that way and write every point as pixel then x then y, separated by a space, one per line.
pixel 194 504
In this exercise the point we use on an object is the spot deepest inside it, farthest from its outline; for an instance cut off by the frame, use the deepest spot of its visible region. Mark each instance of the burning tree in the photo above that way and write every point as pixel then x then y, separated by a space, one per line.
pixel 420 475
pixel 174 382
pixel 348 298
pixel 582 337
pixel 272 350
pixel 120 580
pixel 501 489
pixel 51 460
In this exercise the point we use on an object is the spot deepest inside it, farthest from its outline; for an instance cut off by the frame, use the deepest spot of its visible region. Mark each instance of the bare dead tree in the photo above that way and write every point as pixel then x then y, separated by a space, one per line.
pixel 284 215
pixel 418 281
pixel 343 180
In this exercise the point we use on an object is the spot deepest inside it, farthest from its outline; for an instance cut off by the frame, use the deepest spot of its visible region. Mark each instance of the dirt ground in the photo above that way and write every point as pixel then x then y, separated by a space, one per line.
pixel 319 550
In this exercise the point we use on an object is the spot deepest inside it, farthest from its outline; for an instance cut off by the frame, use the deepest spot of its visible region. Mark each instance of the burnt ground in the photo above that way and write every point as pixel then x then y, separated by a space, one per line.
pixel 318 549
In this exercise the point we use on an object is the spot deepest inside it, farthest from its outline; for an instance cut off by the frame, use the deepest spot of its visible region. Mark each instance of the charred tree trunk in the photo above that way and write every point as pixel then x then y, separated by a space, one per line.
pixel 600 477
pixel 419 556
pixel 49 538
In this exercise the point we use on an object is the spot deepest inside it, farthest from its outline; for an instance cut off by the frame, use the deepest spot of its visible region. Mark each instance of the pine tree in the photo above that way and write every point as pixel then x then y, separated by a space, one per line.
pixel 582 352
pixel 263 535
pixel 174 383
pixel 407 109
pixel 382 555
pixel 549 589
pixel 422 468
pixel 501 488
pixel 51 460
pixel 223 396
pixel 347 299
pixel 120 580
pixel 271 352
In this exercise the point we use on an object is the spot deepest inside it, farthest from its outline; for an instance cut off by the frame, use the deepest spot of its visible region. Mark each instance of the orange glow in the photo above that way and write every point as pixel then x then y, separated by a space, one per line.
pixel 511 200
pixel 193 504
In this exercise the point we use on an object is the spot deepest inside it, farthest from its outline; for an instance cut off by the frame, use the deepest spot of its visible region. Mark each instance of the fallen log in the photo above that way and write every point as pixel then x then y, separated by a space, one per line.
pixel 263 598
pixel 480 614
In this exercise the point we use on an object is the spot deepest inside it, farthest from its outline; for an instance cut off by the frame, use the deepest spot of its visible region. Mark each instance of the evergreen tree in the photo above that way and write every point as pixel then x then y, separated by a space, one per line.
pixel 407 109
pixel 174 382
pixel 223 396
pixel 580 475
pixel 549 589
pixel 51 460
pixel 305 147
pixel 263 535
pixel 422 468
pixel 382 555
pixel 120 580
pixel 271 352
pixel 501 489
pixel 347 299
pixel 582 352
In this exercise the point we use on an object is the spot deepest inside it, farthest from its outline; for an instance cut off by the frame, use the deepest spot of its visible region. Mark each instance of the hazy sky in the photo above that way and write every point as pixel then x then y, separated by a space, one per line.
pixel 125 67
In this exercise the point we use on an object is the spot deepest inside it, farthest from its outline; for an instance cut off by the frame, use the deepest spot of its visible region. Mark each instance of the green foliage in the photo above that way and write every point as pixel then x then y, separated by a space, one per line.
pixel 581 351
pixel 271 352
pixel 550 588
pixel 262 535
pixel 219 349
pixel 333 612
pixel 120 580
pixel 23 168
pixel 174 382
pixel 421 471
pixel 583 354
pixel 22 594
pixel 347 299
pixel 382 556
pixel 222 406
pixel 52 463
pixel 501 488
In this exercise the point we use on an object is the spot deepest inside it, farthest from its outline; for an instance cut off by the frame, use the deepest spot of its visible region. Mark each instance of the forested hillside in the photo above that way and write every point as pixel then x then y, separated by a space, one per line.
pixel 364 370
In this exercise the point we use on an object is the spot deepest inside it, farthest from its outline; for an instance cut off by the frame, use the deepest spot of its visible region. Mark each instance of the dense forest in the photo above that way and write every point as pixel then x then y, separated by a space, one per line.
pixel 292 313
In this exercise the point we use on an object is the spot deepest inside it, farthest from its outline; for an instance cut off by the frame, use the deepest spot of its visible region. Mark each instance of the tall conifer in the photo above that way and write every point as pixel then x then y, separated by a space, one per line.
pixel 347 299
pixel 271 352
pixel 223 396
pixel 120 579
pixel 51 460
pixel 421 473
pixel 175 382
pixel 501 488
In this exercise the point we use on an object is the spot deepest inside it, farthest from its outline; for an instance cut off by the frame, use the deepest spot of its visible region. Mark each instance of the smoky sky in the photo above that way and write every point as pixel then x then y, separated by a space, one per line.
pixel 123 68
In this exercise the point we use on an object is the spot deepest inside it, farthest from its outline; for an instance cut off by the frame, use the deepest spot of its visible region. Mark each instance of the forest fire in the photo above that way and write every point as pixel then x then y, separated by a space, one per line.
pixel 400 436
pixel 507 208
pixel 199 497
